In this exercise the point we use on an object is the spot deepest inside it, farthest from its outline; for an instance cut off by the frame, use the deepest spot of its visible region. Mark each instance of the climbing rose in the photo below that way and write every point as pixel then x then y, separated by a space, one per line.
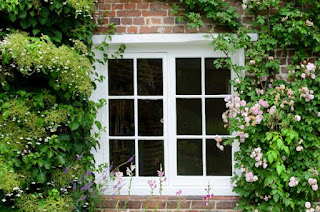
pixel 308 204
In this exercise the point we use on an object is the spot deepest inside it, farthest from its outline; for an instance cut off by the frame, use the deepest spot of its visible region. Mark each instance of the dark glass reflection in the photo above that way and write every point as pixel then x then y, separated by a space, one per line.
pixel 120 152
pixel 214 110
pixel 151 156
pixel 189 118
pixel 188 76
pixel 150 77
pixel 121 117
pixel 217 80
pixel 150 117
pixel 190 157
pixel 120 76
pixel 219 163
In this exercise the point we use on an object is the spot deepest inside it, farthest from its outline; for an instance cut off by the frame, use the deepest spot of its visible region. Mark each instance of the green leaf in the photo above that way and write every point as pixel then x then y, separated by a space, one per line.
pixel 38 97
pixel 61 159
pixel 12 17
pixel 74 125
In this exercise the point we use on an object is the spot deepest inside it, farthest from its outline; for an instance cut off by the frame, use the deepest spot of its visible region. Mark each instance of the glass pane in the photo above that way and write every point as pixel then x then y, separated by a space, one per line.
pixel 120 152
pixel 219 163
pixel 149 77
pixel 189 121
pixel 121 121
pixel 217 80
pixel 151 156
pixel 190 157
pixel 214 110
pixel 120 76
pixel 150 117
pixel 188 75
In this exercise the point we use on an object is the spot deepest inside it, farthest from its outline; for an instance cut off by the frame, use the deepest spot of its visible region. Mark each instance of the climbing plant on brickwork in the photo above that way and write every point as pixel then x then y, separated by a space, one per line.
pixel 275 117
pixel 46 79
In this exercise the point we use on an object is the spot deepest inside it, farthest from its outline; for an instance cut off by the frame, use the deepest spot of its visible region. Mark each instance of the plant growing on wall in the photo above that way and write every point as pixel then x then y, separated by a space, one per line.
pixel 46 79
pixel 275 116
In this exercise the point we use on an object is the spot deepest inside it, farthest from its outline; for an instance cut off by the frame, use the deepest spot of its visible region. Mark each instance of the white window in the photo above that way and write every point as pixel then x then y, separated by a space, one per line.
pixel 165 99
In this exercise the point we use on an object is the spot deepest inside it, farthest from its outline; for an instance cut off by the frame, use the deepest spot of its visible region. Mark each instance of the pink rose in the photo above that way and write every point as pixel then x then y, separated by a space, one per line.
pixel 308 204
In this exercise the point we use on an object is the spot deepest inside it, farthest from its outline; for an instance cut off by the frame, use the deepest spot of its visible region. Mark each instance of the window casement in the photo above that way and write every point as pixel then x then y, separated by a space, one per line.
pixel 164 105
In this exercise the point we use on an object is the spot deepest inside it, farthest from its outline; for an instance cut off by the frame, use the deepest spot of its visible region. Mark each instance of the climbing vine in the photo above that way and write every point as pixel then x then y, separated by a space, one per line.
pixel 274 115
pixel 46 79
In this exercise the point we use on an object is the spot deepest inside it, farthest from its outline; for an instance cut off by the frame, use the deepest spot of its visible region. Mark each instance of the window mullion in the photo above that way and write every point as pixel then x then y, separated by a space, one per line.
pixel 203 103
pixel 135 90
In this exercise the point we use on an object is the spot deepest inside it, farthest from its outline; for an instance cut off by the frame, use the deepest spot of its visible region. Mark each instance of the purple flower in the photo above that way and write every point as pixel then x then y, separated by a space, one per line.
pixel 130 159
pixel 74 207
pixel 89 173
pixel 84 198
pixel 67 170
pixel 86 187
pixel 74 187
pixel 79 157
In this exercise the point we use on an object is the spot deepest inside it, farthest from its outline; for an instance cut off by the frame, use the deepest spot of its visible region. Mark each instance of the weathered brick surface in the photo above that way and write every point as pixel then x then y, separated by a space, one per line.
pixel 151 16
pixel 169 203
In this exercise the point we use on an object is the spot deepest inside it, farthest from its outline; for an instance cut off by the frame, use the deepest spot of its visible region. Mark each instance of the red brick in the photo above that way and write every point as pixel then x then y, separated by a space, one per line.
pixel 168 20
pixel 147 29
pixel 132 29
pixel 226 204
pixel 156 21
pixel 174 204
pixel 159 5
pixel 178 29
pixel 130 6
pixel 138 21
pixel 117 7
pixel 129 13
pixel 109 14
pixel 143 6
pixel 126 21
pixel 200 204
pixel 167 29
pixel 115 21
pixel 120 29
pixel 154 204
pixel 154 13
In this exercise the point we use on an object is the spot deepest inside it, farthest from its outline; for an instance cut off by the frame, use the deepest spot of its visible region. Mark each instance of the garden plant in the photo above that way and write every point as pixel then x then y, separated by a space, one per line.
pixel 47 77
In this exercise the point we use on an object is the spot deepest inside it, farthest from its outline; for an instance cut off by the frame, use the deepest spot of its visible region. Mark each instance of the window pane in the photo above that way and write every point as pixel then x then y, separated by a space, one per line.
pixel 150 117
pixel 214 110
pixel 120 152
pixel 121 121
pixel 189 117
pixel 149 77
pixel 219 163
pixel 188 75
pixel 151 156
pixel 190 157
pixel 217 80
pixel 120 76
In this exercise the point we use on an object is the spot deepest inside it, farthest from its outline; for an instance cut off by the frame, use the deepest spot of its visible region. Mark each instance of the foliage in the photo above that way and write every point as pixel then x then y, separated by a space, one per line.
pixel 220 12
pixel 60 20
pixel 47 77
pixel 275 117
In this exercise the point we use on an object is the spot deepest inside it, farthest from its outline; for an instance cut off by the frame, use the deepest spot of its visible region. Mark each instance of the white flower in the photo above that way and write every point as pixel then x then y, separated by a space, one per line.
pixel 4 200
pixel 297 118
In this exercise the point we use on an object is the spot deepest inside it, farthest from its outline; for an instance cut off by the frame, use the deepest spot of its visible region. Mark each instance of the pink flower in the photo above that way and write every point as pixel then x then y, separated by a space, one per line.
pixel 318 114
pixel 299 148
pixel 313 76
pixel 160 173
pixel 297 118
pixel 252 62
pixel 311 66
pixel 315 187
pixel 303 75
pixel 179 192
pixel 263 103
pixel 243 103
pixel 273 110
pixel 308 204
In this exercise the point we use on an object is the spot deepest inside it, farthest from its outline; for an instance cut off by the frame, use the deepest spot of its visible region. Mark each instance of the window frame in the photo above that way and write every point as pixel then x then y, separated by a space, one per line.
pixel 170 49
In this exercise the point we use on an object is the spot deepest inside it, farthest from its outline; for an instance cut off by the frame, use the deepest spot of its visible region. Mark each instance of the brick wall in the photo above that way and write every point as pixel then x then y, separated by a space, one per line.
pixel 150 16
pixel 169 203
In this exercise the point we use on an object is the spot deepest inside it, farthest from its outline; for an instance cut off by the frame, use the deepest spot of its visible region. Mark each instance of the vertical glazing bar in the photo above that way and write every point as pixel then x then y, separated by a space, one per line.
pixel 135 87
pixel 203 104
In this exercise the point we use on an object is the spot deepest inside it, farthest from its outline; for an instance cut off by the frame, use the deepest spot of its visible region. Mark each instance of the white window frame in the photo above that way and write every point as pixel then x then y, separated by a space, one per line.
pixel 168 47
